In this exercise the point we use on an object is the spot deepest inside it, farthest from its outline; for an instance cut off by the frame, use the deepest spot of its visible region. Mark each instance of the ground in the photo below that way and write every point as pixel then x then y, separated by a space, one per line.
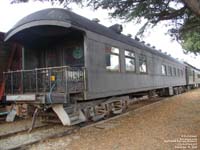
pixel 173 123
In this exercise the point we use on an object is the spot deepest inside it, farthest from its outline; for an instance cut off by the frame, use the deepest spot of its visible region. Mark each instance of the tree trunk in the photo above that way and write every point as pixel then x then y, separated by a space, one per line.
pixel 193 5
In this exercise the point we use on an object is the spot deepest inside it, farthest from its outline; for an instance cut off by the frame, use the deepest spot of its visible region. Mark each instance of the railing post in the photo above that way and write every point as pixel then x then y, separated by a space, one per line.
pixel 50 79
pixel 36 81
pixel 11 84
pixel 66 84
pixel 84 79
pixel 3 85
pixel 22 81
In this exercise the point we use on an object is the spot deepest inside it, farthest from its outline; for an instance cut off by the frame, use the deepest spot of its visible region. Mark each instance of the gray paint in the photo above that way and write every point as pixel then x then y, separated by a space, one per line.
pixel 100 82
pixel 103 83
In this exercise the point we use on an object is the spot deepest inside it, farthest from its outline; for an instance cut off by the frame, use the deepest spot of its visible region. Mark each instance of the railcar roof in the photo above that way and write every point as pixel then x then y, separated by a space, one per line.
pixel 61 15
pixel 1 36
pixel 187 64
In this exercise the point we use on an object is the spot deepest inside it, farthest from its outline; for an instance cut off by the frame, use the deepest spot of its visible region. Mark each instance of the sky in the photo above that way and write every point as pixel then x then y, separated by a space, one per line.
pixel 11 13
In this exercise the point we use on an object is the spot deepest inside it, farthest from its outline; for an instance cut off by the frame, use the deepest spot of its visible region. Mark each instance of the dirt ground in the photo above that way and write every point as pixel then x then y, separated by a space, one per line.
pixel 173 123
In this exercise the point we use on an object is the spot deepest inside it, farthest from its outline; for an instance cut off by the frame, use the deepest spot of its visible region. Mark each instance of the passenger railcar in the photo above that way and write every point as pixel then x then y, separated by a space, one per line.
pixel 192 76
pixel 72 64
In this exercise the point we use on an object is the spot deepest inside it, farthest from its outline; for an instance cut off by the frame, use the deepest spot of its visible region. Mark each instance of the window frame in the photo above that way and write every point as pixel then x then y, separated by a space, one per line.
pixel 139 58
pixel 165 69
pixel 170 71
pixel 178 71
pixel 114 54
pixel 174 71
pixel 130 57
pixel 182 74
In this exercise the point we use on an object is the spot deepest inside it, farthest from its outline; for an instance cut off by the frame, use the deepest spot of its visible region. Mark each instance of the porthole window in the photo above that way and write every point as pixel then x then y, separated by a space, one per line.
pixel 112 58
pixel 142 64
pixel 129 61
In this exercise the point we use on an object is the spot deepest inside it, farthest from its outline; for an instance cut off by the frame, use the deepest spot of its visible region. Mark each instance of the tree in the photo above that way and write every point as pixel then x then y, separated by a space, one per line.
pixel 183 16
pixel 194 5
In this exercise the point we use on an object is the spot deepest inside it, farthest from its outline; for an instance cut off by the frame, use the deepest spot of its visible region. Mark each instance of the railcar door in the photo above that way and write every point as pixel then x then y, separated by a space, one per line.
pixel 54 59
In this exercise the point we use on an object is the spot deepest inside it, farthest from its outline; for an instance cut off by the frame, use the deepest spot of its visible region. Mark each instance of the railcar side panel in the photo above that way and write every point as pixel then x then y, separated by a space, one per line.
pixel 104 83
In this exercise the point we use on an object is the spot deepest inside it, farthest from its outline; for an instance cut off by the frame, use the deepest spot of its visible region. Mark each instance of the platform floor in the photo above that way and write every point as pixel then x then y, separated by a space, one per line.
pixel 173 123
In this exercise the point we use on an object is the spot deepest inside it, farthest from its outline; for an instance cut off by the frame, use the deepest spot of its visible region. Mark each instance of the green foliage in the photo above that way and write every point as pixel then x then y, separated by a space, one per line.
pixel 191 42
pixel 189 35
pixel 184 23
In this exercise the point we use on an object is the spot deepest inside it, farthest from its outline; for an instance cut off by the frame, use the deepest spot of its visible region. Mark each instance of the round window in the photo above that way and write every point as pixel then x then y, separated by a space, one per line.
pixel 77 53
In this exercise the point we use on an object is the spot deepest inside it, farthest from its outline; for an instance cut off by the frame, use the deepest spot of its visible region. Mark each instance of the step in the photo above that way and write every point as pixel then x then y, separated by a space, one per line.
pixel 68 118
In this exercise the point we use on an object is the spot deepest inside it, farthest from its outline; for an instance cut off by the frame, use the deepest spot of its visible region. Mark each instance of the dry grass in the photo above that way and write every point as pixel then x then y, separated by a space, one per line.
pixel 148 128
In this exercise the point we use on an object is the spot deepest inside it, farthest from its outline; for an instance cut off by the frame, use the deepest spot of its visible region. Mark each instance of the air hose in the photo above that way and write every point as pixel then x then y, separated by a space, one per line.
pixel 49 95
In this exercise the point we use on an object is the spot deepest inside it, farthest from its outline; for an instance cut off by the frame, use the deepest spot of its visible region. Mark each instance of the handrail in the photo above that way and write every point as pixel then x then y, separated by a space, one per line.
pixel 47 68
pixel 67 79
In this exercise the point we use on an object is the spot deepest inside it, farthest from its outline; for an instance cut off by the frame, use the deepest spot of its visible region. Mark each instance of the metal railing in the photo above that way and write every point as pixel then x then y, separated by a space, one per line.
pixel 62 79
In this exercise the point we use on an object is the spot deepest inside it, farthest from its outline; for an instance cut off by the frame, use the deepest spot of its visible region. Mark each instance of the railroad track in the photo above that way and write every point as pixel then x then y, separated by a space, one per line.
pixel 21 139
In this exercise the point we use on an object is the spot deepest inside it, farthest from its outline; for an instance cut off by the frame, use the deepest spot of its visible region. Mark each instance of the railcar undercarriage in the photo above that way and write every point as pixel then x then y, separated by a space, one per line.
pixel 55 93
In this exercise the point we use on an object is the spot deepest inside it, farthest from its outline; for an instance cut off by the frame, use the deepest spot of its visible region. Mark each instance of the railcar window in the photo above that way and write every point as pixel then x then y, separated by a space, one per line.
pixel 182 73
pixel 179 74
pixel 170 70
pixel 198 75
pixel 74 56
pixel 130 61
pixel 174 71
pixel 142 64
pixel 190 72
pixel 112 58
pixel 164 69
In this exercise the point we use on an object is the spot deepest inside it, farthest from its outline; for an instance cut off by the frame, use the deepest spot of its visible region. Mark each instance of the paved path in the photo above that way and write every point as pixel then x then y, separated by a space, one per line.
pixel 173 123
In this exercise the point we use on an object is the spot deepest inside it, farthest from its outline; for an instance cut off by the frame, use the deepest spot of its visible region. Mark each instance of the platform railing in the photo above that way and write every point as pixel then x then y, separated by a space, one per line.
pixel 62 79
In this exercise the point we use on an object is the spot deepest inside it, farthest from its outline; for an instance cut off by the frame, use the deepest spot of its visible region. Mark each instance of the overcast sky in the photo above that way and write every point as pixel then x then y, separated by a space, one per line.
pixel 11 13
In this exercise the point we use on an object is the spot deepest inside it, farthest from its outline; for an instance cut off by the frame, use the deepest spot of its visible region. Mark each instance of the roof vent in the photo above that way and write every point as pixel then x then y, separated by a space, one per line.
pixel 136 38
pixel 148 44
pixel 160 50
pixel 129 35
pixel 96 20
pixel 143 42
pixel 153 47
pixel 117 28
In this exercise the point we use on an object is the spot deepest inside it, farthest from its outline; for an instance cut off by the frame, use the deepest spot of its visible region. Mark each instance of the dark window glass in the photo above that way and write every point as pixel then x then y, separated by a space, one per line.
pixel 178 72
pixel 175 72
pixel 169 70
pixel 74 56
pixel 181 73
